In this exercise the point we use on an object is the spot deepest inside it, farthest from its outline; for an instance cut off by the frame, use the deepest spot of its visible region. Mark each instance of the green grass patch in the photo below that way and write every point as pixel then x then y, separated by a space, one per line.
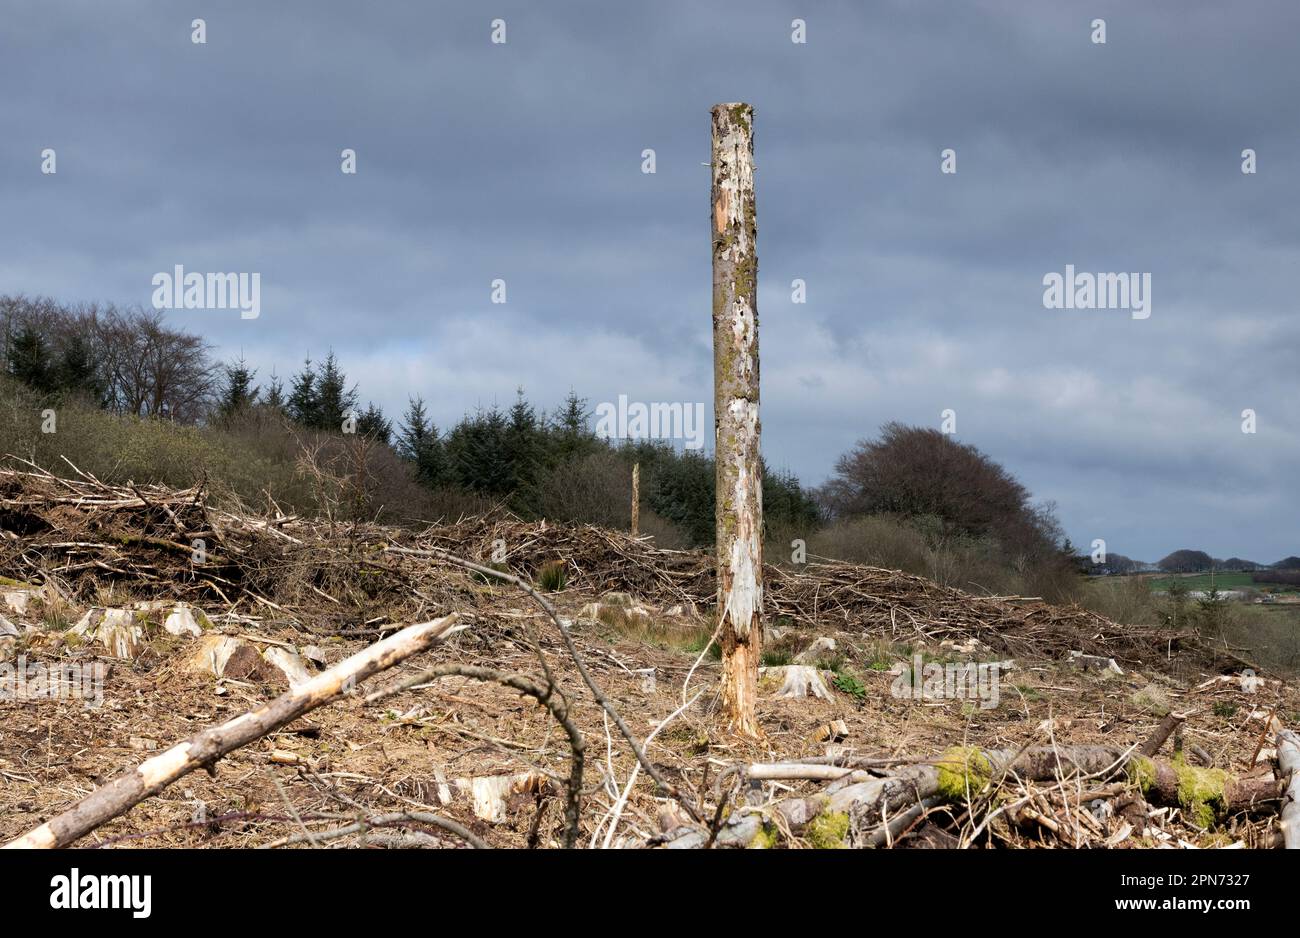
pixel 777 658
pixel 553 576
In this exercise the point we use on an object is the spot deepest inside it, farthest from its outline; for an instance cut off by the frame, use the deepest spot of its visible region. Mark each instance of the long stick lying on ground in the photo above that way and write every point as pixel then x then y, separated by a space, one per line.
pixel 367 823
pixel 205 748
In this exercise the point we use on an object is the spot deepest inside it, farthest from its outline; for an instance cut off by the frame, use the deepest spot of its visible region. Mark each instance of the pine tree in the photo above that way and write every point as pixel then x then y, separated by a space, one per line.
pixel 477 448
pixel 683 492
pixel 523 451
pixel 238 394
pixel 418 441
pixel 785 501
pixel 304 403
pixel 431 462
pixel 373 425
pixel 78 372
pixel 572 419
pixel 334 401
pixel 29 359
pixel 570 434
pixel 413 432
pixel 274 396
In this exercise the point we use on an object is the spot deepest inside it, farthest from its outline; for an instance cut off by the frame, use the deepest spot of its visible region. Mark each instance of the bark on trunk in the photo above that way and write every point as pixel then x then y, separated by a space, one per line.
pixel 735 409
pixel 205 748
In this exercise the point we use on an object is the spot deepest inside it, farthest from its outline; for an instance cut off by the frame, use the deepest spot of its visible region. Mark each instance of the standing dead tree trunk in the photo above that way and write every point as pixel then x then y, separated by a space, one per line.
pixel 205 748
pixel 636 498
pixel 735 413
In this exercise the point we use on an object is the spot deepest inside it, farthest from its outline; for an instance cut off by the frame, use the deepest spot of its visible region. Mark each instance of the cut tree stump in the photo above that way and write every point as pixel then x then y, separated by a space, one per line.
pixel 795 680
pixel 1094 663
pixel 491 795
pixel 126 632
pixel 8 638
pixel 819 650
pixel 835 731
pixel 225 656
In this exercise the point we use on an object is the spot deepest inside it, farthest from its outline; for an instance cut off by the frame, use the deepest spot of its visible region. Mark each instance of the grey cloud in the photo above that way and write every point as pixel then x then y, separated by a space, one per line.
pixel 523 162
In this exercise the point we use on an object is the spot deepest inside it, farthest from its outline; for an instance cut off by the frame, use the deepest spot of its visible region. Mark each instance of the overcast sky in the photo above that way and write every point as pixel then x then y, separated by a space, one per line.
pixel 523 161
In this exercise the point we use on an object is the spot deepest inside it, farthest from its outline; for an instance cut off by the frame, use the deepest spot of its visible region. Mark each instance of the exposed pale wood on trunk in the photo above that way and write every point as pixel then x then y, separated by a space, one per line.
pixel 735 412
pixel 205 748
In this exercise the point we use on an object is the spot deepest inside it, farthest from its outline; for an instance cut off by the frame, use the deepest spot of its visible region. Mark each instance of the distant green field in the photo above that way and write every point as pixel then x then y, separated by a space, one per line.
pixel 1224 581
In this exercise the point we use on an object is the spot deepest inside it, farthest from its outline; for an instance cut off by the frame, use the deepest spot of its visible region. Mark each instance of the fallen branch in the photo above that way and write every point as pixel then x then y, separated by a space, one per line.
pixel 385 820
pixel 887 833
pixel 205 748
pixel 802 771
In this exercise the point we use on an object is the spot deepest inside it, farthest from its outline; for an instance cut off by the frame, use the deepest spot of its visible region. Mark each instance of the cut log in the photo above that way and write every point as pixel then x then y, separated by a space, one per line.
pixel 1288 764
pixel 792 771
pixel 205 748
pixel 885 834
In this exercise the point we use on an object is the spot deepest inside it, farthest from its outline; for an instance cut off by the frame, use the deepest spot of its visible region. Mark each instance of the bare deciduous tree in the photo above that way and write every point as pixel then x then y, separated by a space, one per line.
pixel 153 370
pixel 130 359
